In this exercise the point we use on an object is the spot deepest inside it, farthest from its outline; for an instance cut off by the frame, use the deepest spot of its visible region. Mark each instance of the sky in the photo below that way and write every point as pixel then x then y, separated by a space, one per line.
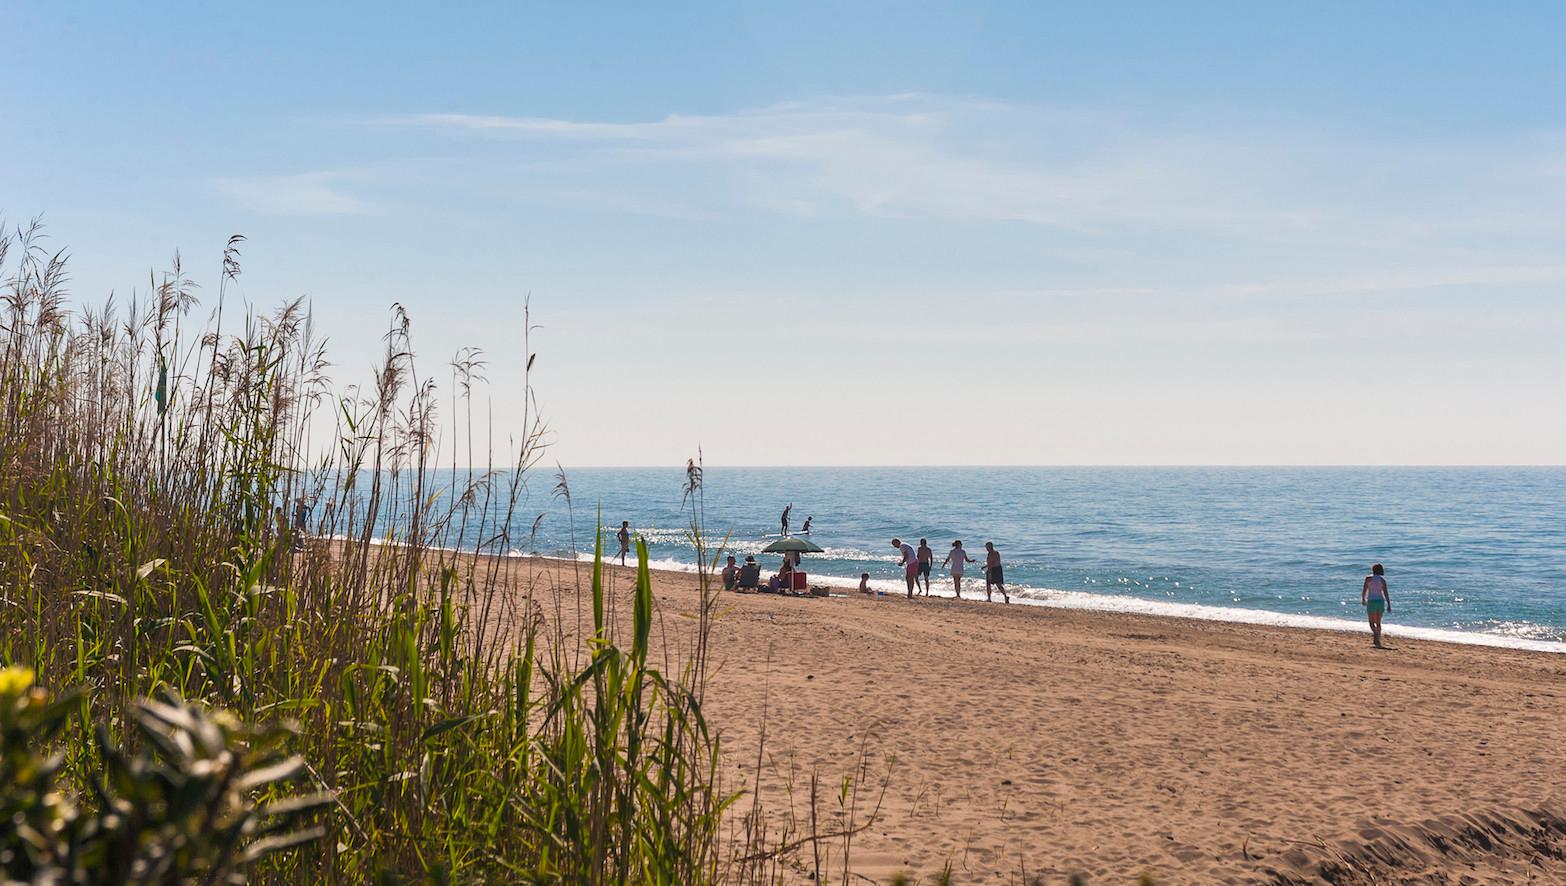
pixel 856 233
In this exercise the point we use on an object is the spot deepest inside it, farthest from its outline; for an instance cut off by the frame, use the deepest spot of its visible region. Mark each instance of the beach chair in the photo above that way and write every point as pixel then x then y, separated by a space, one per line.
pixel 750 577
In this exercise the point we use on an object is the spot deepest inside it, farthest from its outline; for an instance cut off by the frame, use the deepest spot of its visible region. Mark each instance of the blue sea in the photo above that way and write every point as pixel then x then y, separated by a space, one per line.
pixel 1471 554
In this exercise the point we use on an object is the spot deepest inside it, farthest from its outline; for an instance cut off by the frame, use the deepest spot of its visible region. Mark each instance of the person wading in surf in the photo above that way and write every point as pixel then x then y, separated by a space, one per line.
pixel 624 537
pixel 910 563
pixel 994 579
pixel 926 563
pixel 1374 596
pixel 955 559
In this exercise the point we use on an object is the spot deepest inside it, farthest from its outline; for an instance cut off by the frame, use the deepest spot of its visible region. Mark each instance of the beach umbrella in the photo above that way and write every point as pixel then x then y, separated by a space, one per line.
pixel 793 546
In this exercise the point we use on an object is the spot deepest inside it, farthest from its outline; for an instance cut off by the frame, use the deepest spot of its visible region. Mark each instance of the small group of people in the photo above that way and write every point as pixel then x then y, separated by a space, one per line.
pixel 295 533
pixel 783 523
pixel 747 577
pixel 919 562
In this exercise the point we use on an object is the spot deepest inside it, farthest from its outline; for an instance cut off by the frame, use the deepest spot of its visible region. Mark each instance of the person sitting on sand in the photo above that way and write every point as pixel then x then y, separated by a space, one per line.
pixel 783 582
pixel 864 583
pixel 750 575
pixel 955 559
pixel 1374 596
pixel 730 575
pixel 993 577
pixel 910 564
pixel 926 563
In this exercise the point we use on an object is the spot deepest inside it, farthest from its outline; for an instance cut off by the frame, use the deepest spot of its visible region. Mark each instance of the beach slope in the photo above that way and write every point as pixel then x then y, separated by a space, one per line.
pixel 1031 742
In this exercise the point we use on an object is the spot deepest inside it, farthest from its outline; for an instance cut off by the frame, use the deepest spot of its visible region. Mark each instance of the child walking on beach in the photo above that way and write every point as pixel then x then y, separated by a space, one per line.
pixel 1374 596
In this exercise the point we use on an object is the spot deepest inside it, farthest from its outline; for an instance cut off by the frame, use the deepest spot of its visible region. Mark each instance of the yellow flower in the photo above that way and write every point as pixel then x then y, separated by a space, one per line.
pixel 15 680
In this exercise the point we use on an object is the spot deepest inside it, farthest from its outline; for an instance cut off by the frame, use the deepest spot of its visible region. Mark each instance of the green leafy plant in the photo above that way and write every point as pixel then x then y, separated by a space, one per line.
pixel 202 801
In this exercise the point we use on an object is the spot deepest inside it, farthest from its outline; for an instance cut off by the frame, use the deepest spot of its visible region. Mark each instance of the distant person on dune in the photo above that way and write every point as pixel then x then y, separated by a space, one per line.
pixel 926 563
pixel 784 521
pixel 910 563
pixel 993 577
pixel 954 560
pixel 1374 596
pixel 624 535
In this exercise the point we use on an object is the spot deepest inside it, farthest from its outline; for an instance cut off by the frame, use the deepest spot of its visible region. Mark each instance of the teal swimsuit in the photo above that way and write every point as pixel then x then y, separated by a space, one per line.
pixel 1376 596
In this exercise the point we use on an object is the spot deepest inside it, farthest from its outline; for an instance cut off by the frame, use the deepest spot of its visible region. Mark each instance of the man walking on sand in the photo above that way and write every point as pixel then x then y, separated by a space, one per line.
pixel 910 563
pixel 926 563
pixel 993 577
pixel 624 535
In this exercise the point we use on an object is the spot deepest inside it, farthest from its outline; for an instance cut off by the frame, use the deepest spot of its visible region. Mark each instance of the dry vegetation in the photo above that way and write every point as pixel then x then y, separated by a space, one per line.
pixel 142 552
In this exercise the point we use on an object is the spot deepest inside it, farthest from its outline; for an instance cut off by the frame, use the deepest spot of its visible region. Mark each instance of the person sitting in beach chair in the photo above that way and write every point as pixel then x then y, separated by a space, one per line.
pixel 750 575
pixel 783 582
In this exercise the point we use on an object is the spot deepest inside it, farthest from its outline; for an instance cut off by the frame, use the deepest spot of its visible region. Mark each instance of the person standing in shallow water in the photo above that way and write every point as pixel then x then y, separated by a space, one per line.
pixel 624 535
pixel 910 563
pixel 1374 596
pixel 994 579
pixel 954 560
pixel 926 563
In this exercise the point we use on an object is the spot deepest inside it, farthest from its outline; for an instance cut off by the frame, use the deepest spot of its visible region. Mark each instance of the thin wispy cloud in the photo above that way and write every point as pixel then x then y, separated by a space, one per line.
pixel 920 157
pixel 307 193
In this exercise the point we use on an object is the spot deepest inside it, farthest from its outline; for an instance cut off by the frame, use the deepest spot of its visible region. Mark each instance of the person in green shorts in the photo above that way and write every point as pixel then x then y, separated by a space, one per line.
pixel 1373 595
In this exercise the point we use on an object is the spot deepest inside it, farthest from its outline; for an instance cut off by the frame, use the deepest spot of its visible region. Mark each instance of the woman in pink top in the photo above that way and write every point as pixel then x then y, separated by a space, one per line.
pixel 1376 599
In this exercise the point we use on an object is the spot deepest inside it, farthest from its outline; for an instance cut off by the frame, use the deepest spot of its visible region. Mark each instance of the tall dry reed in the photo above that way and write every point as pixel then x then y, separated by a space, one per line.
pixel 150 466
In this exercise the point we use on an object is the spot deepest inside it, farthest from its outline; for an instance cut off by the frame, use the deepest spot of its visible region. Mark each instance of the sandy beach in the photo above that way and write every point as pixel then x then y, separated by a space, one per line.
pixel 1019 742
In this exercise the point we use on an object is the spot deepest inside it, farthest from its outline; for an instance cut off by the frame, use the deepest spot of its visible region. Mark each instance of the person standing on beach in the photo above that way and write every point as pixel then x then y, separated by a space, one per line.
pixel 731 575
pixel 910 563
pixel 1374 596
pixel 785 518
pixel 624 535
pixel 993 577
pixel 301 522
pixel 926 563
pixel 954 560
